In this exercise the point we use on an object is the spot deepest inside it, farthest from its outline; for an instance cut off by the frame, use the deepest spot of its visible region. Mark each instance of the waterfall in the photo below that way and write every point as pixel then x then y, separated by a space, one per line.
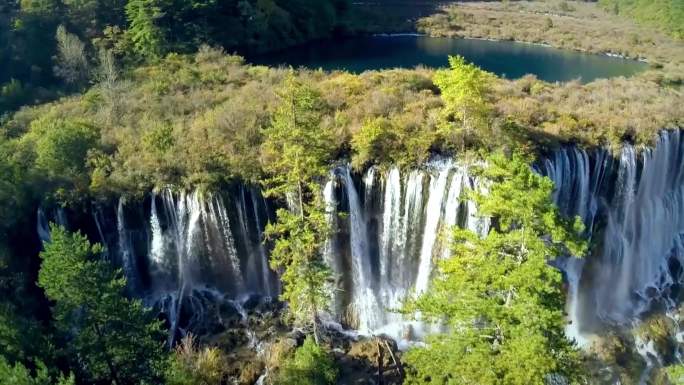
pixel 633 209
pixel 127 254
pixel 98 219
pixel 184 250
pixel 220 217
pixel 178 252
pixel 365 304
pixel 266 277
pixel 331 215
pixel 412 219
pixel 435 204
pixel 644 224
pixel 392 238
pixel 42 226
pixel 157 245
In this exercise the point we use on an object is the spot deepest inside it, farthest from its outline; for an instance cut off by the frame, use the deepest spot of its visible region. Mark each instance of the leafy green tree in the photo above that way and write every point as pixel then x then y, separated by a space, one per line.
pixel 498 296
pixel 12 95
pixel 310 365
pixel 33 29
pixel 21 339
pixel 466 93
pixel 374 142
pixel 297 152
pixel 62 146
pixel 18 374
pixel 111 338
pixel 90 17
pixel 147 37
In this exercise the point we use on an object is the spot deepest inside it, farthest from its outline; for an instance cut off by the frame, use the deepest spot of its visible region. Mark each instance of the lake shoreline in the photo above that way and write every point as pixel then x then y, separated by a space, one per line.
pixel 547 45
pixel 578 27
pixel 507 59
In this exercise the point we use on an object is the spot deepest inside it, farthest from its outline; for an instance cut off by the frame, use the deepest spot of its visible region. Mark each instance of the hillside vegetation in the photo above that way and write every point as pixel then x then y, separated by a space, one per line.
pixel 199 119
pixel 571 25
pixel 148 94
pixel 136 30
pixel 667 15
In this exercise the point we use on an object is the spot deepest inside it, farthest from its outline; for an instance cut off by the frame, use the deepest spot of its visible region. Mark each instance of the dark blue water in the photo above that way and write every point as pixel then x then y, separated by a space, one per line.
pixel 507 59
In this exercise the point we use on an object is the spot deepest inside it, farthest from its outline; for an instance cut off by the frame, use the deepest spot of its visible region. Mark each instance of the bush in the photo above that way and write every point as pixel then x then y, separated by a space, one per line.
pixel 373 142
pixel 310 365
pixel 193 366
pixel 12 95
pixel 18 374
pixel 62 145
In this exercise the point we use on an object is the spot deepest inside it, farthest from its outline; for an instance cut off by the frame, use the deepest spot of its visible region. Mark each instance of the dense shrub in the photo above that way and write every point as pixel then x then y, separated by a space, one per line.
pixel 310 365
pixel 192 365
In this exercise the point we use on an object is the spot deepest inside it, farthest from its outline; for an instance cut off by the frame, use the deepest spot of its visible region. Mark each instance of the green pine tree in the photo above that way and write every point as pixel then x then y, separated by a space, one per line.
pixel 297 152
pixel 111 338
pixel 498 296
pixel 147 37
pixel 466 93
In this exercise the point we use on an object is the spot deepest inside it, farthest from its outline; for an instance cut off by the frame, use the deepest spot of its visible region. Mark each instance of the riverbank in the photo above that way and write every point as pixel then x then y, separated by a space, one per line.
pixel 569 25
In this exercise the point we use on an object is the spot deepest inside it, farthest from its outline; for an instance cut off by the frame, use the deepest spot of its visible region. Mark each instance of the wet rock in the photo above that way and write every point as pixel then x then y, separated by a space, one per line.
pixel 230 314
pixel 662 331
pixel 252 302
pixel 297 335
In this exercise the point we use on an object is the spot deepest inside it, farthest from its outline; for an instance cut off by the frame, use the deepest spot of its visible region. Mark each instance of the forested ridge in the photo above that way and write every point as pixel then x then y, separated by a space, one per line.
pixel 107 100
pixel 134 31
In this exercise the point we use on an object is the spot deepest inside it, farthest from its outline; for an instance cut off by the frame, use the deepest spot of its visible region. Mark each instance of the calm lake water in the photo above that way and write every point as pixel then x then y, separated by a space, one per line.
pixel 506 59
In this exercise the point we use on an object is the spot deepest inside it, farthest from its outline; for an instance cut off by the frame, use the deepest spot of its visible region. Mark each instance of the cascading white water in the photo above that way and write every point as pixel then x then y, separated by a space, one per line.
pixel 633 209
pixel 157 244
pixel 42 226
pixel 266 275
pixel 365 304
pixel 182 256
pixel 434 209
pixel 220 216
pixel 389 241
pixel 644 223
pixel 386 263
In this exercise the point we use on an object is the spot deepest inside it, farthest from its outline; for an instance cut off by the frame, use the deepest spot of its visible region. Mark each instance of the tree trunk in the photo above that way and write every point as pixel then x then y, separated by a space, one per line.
pixel 397 363
pixel 314 321
pixel 381 359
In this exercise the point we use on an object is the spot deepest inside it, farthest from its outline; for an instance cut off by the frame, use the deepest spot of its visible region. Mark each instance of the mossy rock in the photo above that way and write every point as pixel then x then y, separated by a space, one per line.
pixel 662 331
pixel 613 357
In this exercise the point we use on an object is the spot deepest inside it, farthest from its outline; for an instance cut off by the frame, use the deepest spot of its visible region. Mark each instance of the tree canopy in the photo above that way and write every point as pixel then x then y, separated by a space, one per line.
pixel 296 157
pixel 112 338
pixel 465 90
pixel 500 300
